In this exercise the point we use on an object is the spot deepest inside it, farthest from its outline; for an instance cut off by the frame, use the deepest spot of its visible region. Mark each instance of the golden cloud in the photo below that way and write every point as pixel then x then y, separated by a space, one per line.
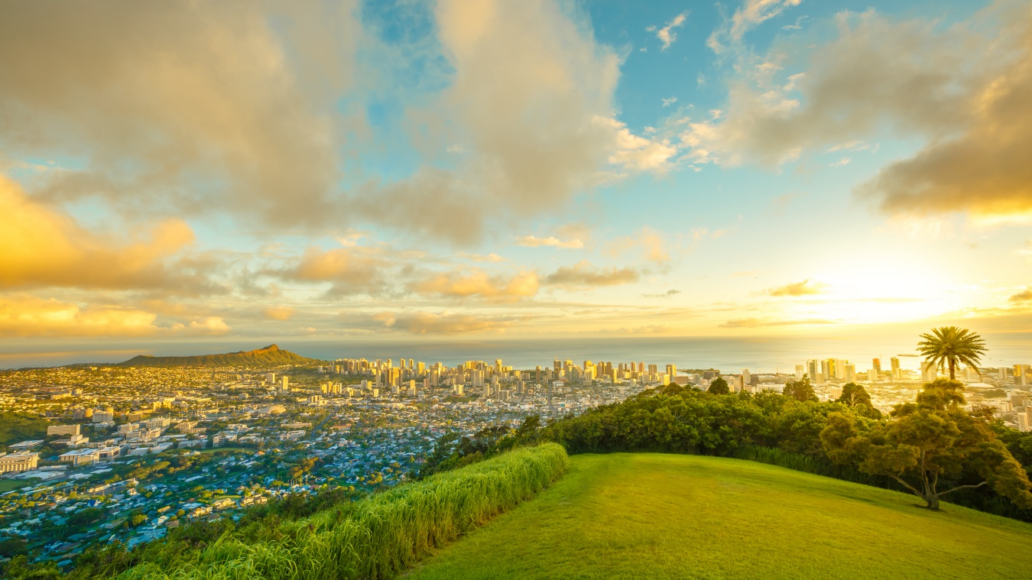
pixel 281 313
pixel 43 247
pixel 804 288
pixel 25 316
pixel 445 323
pixel 583 274
pixel 352 270
pixel 479 283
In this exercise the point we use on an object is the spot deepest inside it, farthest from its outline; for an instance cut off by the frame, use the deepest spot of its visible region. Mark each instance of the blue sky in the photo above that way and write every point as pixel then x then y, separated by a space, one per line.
pixel 417 170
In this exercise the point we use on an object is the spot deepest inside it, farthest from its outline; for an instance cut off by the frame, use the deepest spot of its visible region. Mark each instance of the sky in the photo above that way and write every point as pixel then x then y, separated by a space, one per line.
pixel 423 171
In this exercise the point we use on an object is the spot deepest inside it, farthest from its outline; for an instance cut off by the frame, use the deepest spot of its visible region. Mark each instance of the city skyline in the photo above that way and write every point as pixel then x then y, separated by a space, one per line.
pixel 412 172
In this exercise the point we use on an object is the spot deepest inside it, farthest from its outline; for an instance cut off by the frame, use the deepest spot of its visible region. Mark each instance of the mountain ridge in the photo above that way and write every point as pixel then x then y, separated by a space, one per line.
pixel 269 355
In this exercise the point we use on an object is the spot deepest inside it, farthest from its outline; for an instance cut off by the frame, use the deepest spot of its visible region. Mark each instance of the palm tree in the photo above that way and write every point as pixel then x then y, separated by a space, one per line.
pixel 949 345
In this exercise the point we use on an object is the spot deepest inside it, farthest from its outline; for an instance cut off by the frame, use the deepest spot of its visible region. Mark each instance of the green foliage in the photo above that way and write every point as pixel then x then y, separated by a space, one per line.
pixel 17 427
pixel 11 547
pixel 856 396
pixel 932 448
pixel 949 345
pixel 719 387
pixel 800 390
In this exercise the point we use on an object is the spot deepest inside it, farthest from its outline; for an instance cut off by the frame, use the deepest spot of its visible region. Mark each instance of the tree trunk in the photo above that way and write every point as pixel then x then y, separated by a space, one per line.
pixel 953 370
pixel 933 501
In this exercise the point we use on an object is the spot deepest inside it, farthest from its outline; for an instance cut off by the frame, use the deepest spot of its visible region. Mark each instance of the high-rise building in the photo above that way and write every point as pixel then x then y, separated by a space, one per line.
pixel 876 365
pixel 811 369
pixel 897 374
pixel 800 370
pixel 746 377
pixel 849 372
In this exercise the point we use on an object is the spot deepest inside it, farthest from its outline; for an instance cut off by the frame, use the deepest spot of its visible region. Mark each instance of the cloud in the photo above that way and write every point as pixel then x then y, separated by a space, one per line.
pixel 650 242
pixel 445 323
pixel 668 102
pixel 751 14
pixel 666 35
pixel 528 83
pixel 492 257
pixel 963 89
pixel 804 288
pixel 181 107
pixel 1023 296
pixel 44 247
pixel 478 284
pixel 30 316
pixel 758 322
pixel 667 294
pixel 632 152
pixel 281 313
pixel 354 270
pixel 583 274
pixel 536 242
pixel 875 72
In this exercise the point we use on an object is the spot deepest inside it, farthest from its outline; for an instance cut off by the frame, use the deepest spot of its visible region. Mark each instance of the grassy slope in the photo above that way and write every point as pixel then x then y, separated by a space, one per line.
pixel 680 516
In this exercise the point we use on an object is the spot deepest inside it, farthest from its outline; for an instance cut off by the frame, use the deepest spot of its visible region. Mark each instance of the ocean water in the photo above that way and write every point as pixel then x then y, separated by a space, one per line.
pixel 765 354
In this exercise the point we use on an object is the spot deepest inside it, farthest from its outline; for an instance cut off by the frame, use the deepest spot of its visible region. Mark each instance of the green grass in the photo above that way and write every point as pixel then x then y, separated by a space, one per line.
pixel 679 516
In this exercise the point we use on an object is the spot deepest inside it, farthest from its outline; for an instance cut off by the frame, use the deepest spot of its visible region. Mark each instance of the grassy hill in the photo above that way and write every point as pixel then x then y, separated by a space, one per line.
pixel 681 516
pixel 270 355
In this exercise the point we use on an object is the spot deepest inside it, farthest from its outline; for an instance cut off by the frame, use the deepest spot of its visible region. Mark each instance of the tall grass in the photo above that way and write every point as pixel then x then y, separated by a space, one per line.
pixel 379 536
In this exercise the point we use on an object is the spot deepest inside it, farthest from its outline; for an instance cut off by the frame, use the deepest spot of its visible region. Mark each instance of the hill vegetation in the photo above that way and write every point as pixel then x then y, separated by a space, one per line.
pixel 664 516
pixel 371 538
pixel 268 356
pixel 15 427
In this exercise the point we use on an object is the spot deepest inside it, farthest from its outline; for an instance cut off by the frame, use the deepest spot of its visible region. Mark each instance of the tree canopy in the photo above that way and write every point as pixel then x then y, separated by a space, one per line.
pixel 856 396
pixel 800 390
pixel 719 387
pixel 932 447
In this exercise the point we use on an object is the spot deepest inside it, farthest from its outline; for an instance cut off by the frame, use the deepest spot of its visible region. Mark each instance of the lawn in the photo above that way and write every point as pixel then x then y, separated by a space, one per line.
pixel 680 516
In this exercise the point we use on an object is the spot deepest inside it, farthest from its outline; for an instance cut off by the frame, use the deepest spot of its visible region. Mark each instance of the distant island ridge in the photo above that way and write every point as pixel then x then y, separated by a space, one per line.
pixel 269 355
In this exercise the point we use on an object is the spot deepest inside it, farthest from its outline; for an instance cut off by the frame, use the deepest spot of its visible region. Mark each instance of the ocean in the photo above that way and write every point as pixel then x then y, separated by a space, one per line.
pixel 730 355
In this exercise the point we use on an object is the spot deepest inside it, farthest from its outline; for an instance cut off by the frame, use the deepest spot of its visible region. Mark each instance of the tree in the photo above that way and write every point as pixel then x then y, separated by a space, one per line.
pixel 948 345
pixel 719 386
pixel 927 442
pixel 856 396
pixel 800 390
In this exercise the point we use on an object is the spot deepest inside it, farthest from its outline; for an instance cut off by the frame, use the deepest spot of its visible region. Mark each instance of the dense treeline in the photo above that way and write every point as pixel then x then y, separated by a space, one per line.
pixel 780 429
pixel 374 537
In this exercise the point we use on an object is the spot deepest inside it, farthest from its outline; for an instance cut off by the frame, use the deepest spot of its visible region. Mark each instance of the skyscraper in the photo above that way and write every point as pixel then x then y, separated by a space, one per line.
pixel 811 369
pixel 896 374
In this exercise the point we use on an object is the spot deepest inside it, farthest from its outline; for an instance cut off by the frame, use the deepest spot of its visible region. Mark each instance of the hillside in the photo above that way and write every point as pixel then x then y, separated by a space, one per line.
pixel 270 355
pixel 682 516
